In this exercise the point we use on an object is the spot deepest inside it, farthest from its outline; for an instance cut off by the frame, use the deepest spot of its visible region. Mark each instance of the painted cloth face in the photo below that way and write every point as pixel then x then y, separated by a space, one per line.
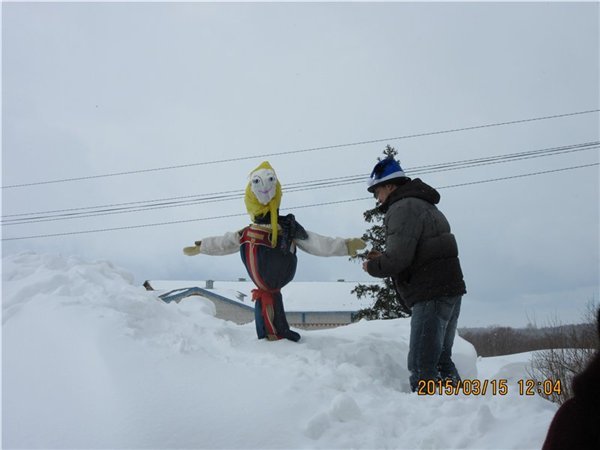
pixel 263 196
pixel 263 183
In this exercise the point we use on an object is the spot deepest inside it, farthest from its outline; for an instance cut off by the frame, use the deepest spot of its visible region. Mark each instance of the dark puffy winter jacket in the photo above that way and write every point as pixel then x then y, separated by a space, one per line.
pixel 421 253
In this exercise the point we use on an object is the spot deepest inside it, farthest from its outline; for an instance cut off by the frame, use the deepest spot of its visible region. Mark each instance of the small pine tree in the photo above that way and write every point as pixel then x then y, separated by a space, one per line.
pixel 386 304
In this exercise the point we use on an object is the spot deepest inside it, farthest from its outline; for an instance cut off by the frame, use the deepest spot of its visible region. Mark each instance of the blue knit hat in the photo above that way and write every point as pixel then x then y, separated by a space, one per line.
pixel 386 171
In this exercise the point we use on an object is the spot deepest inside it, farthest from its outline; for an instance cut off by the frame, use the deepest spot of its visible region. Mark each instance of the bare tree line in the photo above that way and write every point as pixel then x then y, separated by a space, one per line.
pixel 559 351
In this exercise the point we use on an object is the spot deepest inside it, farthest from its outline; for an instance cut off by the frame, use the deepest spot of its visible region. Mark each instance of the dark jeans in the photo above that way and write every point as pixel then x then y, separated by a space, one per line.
pixel 432 330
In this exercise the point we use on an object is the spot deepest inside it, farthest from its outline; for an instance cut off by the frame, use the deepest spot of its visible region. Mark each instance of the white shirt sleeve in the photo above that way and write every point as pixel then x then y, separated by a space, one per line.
pixel 322 245
pixel 227 244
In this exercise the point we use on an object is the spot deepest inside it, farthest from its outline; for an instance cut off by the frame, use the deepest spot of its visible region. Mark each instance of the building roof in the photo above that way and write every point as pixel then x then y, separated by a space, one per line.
pixel 298 296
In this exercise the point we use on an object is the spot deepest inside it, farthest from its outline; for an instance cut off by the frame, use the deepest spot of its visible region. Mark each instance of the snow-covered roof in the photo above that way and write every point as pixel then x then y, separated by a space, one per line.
pixel 298 296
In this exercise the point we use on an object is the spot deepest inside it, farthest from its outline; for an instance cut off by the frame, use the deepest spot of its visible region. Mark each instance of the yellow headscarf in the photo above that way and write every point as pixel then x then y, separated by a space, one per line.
pixel 257 209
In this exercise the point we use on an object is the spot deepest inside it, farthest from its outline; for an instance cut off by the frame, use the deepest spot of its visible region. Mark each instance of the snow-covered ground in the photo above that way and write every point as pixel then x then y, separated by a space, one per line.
pixel 92 361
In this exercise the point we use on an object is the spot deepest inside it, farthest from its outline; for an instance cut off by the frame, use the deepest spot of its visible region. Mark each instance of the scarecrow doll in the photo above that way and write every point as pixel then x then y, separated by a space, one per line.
pixel 268 250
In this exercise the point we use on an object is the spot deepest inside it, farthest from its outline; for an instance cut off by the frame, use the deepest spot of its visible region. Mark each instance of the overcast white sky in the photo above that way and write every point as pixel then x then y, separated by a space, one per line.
pixel 91 89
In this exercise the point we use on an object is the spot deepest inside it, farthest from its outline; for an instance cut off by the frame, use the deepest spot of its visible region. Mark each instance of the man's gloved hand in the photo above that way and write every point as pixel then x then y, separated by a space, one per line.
pixel 192 251
pixel 373 254
pixel 354 245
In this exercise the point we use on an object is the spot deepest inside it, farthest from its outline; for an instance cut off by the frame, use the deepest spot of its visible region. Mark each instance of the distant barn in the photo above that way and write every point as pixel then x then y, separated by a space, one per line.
pixel 308 305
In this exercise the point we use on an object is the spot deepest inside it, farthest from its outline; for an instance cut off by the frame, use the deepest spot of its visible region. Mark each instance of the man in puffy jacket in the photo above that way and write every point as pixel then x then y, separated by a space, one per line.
pixel 421 256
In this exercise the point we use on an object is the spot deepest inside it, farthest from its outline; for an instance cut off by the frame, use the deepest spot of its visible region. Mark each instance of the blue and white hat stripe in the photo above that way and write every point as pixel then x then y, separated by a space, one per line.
pixel 385 170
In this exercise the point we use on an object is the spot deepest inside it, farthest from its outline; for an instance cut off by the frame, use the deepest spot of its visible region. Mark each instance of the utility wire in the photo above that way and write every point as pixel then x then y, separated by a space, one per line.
pixel 76 213
pixel 514 177
pixel 306 150
pixel 130 227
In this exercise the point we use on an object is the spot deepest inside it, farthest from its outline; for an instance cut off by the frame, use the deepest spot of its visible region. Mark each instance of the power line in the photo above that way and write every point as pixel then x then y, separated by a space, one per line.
pixel 514 177
pixel 84 212
pixel 289 208
pixel 306 150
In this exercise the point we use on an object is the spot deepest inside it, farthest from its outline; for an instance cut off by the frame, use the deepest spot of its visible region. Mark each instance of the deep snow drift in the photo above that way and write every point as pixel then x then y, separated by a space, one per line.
pixel 92 361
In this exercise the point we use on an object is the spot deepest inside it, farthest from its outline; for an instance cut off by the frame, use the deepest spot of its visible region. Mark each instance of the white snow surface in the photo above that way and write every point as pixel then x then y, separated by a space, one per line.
pixel 92 361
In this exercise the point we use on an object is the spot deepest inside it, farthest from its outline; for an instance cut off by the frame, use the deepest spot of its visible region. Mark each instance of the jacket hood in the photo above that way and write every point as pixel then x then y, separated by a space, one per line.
pixel 412 189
